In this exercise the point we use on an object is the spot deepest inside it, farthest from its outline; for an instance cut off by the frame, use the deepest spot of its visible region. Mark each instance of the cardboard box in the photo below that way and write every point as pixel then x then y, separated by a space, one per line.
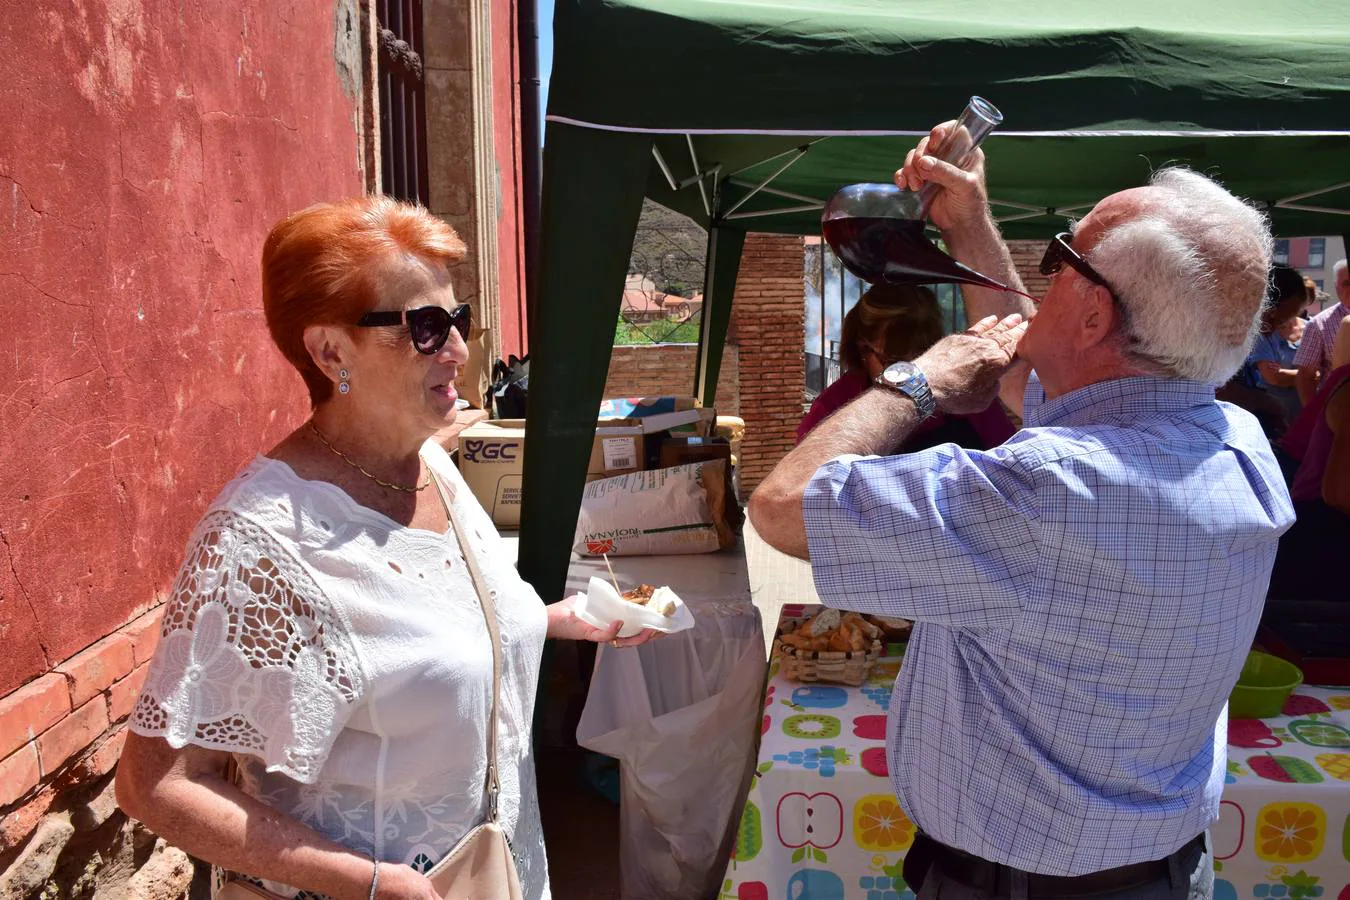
pixel 680 450
pixel 640 407
pixel 492 461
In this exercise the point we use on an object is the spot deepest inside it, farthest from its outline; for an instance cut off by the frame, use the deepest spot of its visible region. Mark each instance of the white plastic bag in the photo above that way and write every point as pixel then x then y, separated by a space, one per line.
pixel 681 715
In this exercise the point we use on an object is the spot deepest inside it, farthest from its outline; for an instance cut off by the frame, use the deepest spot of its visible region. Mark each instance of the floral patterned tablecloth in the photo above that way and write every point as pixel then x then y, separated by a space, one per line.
pixel 822 823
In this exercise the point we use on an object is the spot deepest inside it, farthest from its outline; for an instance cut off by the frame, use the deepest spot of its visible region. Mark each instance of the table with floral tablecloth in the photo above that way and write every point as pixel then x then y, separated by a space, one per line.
pixel 822 823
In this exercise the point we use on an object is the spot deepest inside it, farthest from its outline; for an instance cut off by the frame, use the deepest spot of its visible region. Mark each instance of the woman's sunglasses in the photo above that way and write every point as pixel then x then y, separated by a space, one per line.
pixel 429 326
pixel 1060 251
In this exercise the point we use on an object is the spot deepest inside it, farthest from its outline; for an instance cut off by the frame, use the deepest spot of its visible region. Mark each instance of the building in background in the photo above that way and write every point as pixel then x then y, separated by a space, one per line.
pixel 148 148
pixel 1314 257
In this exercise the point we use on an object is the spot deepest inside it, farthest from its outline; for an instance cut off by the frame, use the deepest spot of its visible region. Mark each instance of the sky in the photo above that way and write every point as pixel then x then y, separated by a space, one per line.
pixel 545 53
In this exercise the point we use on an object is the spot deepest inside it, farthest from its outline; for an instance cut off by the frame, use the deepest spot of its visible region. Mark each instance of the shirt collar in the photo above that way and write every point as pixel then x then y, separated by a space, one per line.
pixel 1119 400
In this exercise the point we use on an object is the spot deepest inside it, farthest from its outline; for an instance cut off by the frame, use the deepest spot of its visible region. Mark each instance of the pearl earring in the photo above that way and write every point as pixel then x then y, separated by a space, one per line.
pixel 343 386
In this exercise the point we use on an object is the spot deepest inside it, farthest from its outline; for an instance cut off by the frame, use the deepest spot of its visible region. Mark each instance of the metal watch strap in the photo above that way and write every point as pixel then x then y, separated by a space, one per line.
pixel 917 389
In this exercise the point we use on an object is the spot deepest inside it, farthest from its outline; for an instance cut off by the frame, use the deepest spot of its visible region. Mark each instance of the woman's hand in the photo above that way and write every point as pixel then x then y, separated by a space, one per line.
pixel 564 623
pixel 399 882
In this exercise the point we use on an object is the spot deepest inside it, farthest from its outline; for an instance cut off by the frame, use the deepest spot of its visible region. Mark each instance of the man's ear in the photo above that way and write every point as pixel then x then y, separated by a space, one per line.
pixel 329 347
pixel 1100 316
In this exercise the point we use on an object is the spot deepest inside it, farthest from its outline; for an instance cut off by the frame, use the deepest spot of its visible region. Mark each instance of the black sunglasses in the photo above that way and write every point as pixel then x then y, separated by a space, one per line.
pixel 429 326
pixel 1060 251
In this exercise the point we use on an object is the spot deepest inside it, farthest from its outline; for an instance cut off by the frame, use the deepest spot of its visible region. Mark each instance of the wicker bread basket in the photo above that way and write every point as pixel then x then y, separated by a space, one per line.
pixel 849 667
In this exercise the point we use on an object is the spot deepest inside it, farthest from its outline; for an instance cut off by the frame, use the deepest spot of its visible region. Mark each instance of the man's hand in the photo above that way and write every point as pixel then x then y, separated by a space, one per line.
pixel 963 370
pixel 964 199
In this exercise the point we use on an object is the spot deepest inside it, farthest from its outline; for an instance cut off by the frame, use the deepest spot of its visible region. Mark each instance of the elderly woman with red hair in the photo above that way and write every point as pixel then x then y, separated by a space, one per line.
pixel 315 718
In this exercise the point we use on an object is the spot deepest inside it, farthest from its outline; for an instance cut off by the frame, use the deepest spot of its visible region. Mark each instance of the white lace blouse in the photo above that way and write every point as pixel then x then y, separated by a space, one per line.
pixel 343 658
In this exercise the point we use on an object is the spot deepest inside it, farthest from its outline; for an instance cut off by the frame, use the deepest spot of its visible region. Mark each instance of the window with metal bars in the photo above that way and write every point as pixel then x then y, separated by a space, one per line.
pixel 403 106
pixel 1317 253
pixel 1281 257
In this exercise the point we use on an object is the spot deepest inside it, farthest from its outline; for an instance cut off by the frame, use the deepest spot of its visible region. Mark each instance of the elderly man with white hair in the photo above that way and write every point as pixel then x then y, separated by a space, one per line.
pixel 1086 593
pixel 1313 359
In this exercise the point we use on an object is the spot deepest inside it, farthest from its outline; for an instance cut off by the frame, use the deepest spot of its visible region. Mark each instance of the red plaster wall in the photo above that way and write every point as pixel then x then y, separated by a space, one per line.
pixel 506 139
pixel 146 150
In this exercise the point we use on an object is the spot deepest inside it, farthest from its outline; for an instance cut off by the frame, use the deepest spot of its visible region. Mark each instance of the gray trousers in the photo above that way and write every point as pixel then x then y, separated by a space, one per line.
pixel 1192 878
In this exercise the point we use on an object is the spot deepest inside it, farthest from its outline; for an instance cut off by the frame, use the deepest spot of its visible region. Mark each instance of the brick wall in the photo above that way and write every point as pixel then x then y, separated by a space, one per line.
pixel 60 737
pixel 768 315
pixel 1026 256
pixel 763 373
pixel 658 370
pixel 763 369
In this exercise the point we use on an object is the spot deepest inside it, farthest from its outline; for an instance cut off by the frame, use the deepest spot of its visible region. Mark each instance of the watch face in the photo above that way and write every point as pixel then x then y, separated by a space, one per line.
pixel 908 379
pixel 898 373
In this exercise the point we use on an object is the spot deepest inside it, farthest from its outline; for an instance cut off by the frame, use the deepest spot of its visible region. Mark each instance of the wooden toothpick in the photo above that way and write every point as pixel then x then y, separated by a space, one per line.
pixel 614 581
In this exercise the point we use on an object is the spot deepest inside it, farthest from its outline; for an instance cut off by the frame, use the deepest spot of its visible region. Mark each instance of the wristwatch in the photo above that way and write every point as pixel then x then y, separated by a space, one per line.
pixel 906 378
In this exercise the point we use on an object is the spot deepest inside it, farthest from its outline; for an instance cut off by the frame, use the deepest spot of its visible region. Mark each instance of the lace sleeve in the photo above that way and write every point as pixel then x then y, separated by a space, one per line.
pixel 252 657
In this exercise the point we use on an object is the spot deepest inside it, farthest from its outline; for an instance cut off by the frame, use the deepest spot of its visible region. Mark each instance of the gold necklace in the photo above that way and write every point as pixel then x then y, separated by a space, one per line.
pixel 358 467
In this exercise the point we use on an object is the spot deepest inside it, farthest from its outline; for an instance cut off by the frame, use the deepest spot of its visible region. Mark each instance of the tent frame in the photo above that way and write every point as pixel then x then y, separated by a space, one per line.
pixel 1259 100
pixel 561 419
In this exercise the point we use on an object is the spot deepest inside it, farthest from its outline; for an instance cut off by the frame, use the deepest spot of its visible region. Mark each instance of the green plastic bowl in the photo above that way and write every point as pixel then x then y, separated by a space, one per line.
pixel 1265 683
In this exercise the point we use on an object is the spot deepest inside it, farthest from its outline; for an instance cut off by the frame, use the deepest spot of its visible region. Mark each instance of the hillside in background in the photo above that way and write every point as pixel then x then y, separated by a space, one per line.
pixel 669 250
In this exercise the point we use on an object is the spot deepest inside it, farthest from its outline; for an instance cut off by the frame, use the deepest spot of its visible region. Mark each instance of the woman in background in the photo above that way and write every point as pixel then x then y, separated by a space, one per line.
pixel 888 324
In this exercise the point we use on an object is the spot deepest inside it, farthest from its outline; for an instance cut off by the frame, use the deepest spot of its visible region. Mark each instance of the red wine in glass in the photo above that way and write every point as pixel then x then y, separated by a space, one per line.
pixel 895 251
pixel 876 230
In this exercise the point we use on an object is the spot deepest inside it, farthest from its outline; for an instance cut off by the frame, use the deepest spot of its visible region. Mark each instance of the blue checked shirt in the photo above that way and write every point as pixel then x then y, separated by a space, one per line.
pixel 1085 595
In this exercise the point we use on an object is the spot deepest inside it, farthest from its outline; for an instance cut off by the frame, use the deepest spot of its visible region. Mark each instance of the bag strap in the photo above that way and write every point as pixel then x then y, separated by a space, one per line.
pixel 493 786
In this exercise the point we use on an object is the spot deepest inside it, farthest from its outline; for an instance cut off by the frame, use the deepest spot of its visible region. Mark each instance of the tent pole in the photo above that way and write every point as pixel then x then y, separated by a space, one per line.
pixel 702 188
pixel 769 159
pixel 711 172
pixel 594 183
pixel 1300 207
pixel 776 192
pixel 719 286
pixel 1304 196
pixel 824 350
pixel 665 168
pixel 801 151
pixel 782 211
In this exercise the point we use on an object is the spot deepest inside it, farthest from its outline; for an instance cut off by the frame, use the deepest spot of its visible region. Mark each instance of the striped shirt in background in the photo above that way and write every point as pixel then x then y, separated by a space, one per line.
pixel 1319 339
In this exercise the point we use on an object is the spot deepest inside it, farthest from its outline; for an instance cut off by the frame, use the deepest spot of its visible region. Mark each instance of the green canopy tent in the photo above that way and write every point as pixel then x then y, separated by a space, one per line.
pixel 747 114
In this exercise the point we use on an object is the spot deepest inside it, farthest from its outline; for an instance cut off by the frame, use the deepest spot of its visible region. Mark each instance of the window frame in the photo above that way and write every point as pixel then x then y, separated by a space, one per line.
pixel 400 75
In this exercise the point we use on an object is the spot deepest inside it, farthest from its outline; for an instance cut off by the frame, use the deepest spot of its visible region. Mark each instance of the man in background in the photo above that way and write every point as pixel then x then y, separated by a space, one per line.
pixel 1319 337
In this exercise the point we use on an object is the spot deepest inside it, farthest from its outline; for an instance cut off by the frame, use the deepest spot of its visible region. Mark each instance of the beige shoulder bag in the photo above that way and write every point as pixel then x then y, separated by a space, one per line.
pixel 480 866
